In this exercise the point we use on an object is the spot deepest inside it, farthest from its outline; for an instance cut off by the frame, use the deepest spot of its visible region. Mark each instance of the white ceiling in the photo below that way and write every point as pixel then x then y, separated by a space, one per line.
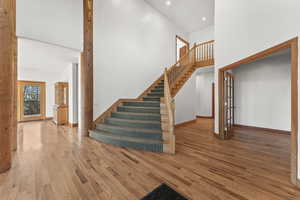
pixel 36 55
pixel 187 14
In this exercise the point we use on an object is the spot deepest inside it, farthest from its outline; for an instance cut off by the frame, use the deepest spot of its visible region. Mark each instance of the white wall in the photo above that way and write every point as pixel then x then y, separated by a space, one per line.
pixel 204 80
pixel 185 101
pixel 73 95
pixel 43 62
pixel 264 101
pixel 202 35
pixel 244 27
pixel 55 21
pixel 133 44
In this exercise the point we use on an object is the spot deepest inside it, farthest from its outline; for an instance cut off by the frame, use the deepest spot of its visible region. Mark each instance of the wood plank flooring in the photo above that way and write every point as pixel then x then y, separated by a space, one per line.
pixel 54 163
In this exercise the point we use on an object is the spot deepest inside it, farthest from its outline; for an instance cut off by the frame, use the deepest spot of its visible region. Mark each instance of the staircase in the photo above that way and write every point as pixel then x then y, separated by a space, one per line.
pixel 147 123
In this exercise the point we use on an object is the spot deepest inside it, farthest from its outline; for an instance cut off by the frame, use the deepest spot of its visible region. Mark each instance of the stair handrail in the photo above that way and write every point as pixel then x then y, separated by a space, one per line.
pixel 169 137
pixel 181 63
pixel 199 54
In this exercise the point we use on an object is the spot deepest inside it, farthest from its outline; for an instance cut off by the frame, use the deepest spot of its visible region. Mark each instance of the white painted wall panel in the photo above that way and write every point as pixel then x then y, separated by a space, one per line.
pixel 204 82
pixel 263 93
pixel 133 43
pixel 202 35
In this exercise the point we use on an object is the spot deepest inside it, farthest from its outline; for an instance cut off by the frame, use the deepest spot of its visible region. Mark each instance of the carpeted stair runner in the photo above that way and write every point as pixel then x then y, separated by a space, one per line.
pixel 135 124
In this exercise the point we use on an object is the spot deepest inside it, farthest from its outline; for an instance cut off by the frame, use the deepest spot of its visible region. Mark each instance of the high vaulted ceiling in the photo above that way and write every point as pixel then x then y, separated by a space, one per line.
pixel 187 14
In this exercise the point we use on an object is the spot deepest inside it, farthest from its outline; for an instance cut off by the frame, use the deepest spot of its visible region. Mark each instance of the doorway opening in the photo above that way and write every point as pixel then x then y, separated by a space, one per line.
pixel 182 47
pixel 226 106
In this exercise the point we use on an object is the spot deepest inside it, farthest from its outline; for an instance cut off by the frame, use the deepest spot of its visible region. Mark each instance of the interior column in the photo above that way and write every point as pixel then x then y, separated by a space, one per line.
pixel 14 119
pixel 6 81
pixel 86 80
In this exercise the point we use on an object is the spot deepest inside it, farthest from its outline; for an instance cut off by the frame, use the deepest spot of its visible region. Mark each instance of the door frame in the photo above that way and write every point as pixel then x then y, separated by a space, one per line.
pixel 182 40
pixel 42 85
pixel 293 46
pixel 213 100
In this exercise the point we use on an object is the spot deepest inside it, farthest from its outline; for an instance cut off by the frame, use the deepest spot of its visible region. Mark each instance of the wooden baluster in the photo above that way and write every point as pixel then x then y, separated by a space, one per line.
pixel 213 53
pixel 209 51
pixel 206 51
pixel 194 53
pixel 198 54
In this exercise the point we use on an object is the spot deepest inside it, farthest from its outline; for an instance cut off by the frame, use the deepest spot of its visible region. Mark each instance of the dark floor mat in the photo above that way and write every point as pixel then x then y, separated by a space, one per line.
pixel 164 192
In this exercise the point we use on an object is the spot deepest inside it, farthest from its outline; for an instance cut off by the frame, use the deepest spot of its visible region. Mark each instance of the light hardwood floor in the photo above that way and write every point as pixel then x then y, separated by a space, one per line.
pixel 53 163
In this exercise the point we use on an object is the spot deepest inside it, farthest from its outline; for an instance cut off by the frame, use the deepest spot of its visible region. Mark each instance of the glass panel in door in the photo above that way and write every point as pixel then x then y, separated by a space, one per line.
pixel 32 101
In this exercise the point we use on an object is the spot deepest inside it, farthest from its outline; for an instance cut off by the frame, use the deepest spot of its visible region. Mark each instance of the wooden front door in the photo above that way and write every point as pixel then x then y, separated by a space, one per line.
pixel 228 104
pixel 31 100
pixel 183 51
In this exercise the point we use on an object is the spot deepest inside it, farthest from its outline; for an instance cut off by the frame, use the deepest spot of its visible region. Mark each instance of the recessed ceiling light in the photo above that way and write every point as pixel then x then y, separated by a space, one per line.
pixel 203 18
pixel 168 3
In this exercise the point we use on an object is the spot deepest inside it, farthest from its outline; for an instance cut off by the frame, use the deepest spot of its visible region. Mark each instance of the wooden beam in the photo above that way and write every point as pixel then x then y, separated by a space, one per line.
pixel 294 111
pixel 86 118
pixel 6 81
pixel 14 118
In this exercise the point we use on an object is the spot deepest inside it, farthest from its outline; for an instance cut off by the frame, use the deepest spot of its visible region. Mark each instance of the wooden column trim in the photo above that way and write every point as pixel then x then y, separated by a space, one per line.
pixel 294 111
pixel 87 81
pixel 14 118
pixel 213 101
pixel 6 81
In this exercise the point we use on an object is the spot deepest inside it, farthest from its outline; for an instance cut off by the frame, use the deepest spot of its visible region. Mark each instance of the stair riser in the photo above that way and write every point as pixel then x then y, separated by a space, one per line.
pixel 158 90
pixel 139 146
pixel 136 117
pixel 135 134
pixel 138 110
pixel 154 126
pixel 159 87
pixel 151 99
pixel 156 94
pixel 142 104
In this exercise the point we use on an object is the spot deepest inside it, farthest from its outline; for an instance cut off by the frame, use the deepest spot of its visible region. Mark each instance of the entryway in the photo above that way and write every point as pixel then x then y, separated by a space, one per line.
pixel 227 107
pixel 182 47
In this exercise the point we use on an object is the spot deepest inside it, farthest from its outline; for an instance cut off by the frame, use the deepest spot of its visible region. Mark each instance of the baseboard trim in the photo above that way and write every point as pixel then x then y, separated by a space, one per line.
pixel 263 129
pixel 298 183
pixel 185 123
pixel 217 135
pixel 36 120
pixel 72 125
pixel 204 117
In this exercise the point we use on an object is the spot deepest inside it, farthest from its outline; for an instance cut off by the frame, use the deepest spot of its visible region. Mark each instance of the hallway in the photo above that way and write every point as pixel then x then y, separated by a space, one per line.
pixel 53 163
